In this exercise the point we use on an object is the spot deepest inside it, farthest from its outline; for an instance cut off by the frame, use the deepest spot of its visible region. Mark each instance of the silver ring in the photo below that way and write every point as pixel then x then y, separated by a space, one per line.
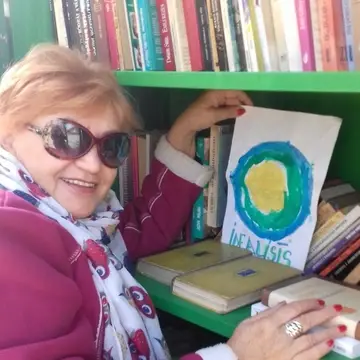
pixel 294 329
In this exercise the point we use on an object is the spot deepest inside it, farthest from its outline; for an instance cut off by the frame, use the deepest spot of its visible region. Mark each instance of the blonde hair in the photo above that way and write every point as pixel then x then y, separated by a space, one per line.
pixel 53 78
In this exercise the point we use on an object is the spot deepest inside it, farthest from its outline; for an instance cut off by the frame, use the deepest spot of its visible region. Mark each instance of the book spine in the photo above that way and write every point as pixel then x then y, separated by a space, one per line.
pixel 292 38
pixel 199 226
pixel 283 58
pixel 61 28
pixel 340 40
pixel 339 259
pixel 219 35
pixel 165 35
pixel 305 34
pixel 134 35
pixel 239 37
pixel 355 16
pixel 203 23
pixel 327 33
pixel 192 31
pixel 249 35
pixel 266 30
pixel 90 23
pixel 123 34
pixel 256 35
pixel 231 50
pixel 337 230
pixel 154 35
pixel 178 34
pixel 77 32
pixel 315 265
pixel 346 267
pixel 111 33
pixel 348 29
pixel 85 27
pixel 101 41
pixel 315 27
pixel 214 53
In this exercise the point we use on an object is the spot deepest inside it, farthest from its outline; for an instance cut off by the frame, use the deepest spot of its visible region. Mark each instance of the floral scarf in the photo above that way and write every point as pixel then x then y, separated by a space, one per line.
pixel 132 328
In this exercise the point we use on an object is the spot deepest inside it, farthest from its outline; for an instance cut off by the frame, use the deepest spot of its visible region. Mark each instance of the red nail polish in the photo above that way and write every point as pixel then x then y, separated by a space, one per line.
pixel 240 112
pixel 338 308
pixel 342 328
pixel 330 343
pixel 321 302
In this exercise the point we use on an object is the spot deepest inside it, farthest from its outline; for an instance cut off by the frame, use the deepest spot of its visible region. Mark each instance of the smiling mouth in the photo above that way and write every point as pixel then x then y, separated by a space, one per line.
pixel 80 183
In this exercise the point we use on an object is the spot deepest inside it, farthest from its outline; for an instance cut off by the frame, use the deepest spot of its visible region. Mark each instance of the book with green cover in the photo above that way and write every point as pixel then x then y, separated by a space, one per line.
pixel 228 286
pixel 164 267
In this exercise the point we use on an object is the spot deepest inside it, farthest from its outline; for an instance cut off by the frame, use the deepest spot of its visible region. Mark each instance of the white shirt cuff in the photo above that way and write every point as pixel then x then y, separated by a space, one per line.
pixel 181 164
pixel 217 352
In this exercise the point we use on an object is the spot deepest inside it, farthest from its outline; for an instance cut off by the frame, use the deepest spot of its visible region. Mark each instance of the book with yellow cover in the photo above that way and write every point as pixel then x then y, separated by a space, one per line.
pixel 228 286
pixel 164 267
pixel 331 292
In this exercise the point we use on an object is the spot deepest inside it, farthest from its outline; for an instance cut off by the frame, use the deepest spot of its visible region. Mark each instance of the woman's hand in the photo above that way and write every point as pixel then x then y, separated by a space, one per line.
pixel 210 108
pixel 263 337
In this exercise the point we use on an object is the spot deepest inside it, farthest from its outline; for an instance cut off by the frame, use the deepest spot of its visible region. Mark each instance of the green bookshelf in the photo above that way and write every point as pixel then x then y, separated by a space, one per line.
pixel 322 82
pixel 221 324
pixel 163 299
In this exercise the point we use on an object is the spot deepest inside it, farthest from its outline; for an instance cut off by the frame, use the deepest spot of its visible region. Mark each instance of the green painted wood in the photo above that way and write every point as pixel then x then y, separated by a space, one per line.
pixel 5 40
pixel 325 82
pixel 31 23
pixel 221 324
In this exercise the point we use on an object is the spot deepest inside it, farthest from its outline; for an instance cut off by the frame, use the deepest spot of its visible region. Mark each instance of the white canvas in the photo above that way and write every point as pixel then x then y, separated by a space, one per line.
pixel 277 167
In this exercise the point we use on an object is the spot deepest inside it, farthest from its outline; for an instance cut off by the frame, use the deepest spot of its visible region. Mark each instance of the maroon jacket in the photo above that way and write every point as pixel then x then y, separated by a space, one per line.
pixel 49 308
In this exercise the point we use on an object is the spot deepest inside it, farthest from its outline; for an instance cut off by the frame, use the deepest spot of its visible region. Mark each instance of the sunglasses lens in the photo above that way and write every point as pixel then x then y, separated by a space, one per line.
pixel 67 140
pixel 115 149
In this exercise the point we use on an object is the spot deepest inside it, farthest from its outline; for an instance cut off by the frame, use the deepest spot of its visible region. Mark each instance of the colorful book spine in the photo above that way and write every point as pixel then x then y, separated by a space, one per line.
pixel 165 35
pixel 204 32
pixel 305 34
pixel 150 36
pixel 349 38
pixel 199 221
pixel 134 35
pixel 315 265
pixel 193 33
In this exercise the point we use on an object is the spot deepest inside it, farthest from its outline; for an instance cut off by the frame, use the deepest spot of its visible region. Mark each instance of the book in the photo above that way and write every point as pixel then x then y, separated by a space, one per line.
pixel 345 345
pixel 230 285
pixel 164 267
pixel 329 291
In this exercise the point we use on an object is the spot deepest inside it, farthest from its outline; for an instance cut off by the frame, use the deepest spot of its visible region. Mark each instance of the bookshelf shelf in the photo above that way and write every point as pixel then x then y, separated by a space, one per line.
pixel 321 82
pixel 221 324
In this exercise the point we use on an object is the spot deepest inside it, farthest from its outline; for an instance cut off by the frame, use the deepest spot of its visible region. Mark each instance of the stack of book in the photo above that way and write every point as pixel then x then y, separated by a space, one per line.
pixel 335 247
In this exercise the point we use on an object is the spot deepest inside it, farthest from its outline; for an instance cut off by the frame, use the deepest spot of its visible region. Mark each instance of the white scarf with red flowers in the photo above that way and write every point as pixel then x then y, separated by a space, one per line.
pixel 132 328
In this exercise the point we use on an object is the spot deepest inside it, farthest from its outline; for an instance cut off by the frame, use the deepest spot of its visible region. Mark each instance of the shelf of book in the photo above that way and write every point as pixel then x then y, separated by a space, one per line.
pixel 221 324
pixel 321 82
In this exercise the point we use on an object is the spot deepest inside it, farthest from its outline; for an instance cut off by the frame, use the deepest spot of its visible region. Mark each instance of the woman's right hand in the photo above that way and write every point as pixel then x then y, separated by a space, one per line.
pixel 263 337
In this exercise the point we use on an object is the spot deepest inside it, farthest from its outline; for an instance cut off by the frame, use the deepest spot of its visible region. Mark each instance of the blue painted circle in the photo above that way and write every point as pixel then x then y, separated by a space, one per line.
pixel 275 225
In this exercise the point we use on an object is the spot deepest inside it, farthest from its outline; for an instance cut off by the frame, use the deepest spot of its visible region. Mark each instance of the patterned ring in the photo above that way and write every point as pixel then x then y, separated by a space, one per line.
pixel 294 329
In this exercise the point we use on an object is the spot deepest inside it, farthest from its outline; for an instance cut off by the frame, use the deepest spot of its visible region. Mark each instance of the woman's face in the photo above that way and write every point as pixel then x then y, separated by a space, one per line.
pixel 93 179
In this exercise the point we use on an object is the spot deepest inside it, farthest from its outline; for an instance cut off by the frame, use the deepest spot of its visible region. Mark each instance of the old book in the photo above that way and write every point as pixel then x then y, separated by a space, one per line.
pixel 164 267
pixel 331 292
pixel 228 286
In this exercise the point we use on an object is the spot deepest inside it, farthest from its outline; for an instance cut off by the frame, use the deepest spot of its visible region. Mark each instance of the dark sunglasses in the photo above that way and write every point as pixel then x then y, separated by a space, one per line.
pixel 68 140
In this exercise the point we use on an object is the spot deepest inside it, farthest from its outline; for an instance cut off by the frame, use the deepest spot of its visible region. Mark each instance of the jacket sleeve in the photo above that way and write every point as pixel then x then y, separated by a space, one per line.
pixel 39 306
pixel 152 221
pixel 220 351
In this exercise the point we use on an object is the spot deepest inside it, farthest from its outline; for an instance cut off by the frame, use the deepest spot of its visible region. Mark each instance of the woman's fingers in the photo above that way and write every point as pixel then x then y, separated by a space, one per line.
pixel 317 317
pixel 318 337
pixel 294 309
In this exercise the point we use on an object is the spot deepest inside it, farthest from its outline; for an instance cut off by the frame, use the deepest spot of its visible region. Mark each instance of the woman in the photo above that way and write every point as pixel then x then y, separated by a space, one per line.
pixel 64 238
